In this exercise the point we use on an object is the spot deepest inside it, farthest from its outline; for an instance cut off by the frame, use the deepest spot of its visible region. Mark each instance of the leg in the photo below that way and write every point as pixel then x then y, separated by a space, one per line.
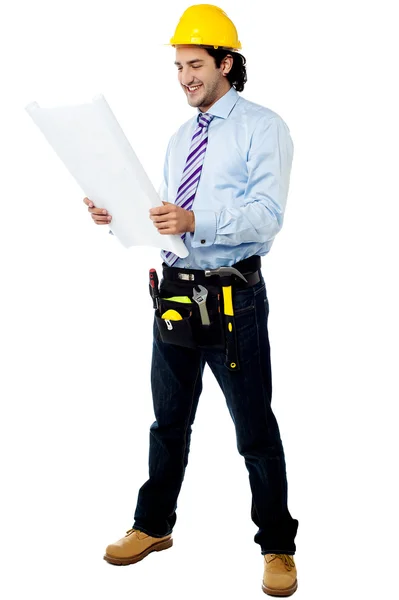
pixel 248 394
pixel 176 381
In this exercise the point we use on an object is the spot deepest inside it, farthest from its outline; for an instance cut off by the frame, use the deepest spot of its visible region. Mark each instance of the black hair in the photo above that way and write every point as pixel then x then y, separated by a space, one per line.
pixel 238 73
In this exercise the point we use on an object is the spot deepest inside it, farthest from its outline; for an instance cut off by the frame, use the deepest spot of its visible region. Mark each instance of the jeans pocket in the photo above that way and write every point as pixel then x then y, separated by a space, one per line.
pixel 243 310
pixel 243 301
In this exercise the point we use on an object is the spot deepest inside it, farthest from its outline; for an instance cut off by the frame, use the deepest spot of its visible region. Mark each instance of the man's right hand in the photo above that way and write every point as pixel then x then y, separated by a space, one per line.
pixel 99 215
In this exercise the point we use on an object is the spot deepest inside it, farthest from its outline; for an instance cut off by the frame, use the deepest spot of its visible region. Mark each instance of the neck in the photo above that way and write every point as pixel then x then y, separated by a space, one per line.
pixel 224 89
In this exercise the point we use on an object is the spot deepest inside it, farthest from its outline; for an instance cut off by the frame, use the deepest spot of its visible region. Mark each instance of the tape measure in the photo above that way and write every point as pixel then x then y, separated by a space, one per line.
pixel 172 315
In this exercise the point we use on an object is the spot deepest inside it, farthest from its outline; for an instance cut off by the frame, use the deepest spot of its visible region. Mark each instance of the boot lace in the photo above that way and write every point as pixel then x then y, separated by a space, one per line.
pixel 129 531
pixel 287 560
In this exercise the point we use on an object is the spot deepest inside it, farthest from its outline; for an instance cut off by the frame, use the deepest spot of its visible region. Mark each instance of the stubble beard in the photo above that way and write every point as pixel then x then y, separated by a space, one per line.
pixel 205 100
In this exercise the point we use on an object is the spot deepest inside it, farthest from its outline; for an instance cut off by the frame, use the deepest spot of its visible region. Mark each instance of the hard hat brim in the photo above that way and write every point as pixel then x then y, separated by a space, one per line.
pixel 239 47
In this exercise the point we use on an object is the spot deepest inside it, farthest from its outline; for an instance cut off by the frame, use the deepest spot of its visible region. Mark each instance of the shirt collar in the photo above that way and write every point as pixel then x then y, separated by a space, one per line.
pixel 223 107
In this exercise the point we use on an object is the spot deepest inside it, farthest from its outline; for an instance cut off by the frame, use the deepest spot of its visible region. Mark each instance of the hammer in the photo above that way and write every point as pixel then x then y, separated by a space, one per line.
pixel 225 274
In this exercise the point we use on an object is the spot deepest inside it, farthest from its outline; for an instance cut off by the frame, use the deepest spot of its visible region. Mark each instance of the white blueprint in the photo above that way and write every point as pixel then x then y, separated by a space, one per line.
pixel 93 147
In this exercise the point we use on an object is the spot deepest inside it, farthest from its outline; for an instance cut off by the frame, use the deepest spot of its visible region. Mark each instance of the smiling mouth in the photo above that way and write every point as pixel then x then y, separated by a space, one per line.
pixel 192 89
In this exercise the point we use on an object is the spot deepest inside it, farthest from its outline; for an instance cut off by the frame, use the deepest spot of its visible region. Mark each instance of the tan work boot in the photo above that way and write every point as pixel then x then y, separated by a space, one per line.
pixel 280 576
pixel 135 546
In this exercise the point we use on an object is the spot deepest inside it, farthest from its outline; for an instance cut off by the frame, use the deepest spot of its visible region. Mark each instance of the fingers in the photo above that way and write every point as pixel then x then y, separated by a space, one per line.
pixel 168 228
pixel 160 218
pixel 99 215
pixel 168 231
pixel 171 224
pixel 92 209
pixel 101 219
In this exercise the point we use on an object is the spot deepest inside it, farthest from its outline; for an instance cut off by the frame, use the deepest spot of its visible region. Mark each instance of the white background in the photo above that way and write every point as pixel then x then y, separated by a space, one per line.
pixel 76 316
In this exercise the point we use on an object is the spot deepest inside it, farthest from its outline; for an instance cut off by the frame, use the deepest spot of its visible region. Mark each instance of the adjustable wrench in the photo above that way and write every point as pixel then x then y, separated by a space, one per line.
pixel 200 299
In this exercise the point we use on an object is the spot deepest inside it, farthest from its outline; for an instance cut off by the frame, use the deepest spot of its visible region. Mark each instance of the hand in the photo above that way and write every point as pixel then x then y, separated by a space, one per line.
pixel 171 219
pixel 100 215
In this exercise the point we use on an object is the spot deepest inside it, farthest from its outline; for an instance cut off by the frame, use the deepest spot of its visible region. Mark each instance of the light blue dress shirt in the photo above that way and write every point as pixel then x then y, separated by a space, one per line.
pixel 242 193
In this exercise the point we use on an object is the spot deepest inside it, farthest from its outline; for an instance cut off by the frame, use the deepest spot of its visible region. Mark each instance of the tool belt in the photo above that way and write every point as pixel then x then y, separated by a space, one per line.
pixel 204 303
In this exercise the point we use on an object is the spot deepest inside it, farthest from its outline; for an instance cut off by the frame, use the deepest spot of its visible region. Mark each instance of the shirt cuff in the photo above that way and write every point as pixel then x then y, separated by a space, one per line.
pixel 205 228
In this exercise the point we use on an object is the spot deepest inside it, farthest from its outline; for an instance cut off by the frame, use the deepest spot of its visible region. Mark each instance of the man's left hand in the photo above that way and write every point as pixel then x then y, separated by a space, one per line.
pixel 171 219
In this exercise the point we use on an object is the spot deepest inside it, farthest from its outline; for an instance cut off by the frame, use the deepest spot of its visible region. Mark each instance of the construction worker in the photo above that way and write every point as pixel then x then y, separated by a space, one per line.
pixel 226 180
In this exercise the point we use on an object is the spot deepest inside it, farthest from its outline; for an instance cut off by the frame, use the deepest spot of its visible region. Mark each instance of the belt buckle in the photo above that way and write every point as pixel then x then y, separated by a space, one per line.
pixel 186 276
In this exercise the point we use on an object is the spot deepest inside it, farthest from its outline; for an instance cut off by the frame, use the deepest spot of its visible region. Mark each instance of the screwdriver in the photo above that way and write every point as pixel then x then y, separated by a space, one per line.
pixel 154 291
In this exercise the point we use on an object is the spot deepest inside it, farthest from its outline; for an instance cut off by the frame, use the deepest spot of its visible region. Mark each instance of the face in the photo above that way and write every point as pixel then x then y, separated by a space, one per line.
pixel 201 81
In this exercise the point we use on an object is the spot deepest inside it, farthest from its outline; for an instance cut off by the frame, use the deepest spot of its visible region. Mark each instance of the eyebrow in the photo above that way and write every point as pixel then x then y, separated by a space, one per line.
pixel 190 62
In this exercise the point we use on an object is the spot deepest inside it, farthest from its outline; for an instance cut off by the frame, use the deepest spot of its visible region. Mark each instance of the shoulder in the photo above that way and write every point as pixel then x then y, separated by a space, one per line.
pixel 264 127
pixel 258 115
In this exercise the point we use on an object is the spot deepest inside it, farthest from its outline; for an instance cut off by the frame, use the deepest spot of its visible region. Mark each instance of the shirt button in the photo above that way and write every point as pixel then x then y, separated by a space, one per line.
pixel 202 241
pixel 187 266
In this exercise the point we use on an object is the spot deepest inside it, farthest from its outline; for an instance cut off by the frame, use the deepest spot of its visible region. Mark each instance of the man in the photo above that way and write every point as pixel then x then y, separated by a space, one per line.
pixel 234 158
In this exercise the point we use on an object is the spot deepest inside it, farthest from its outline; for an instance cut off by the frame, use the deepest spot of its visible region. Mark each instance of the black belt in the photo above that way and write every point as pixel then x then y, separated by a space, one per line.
pixel 249 267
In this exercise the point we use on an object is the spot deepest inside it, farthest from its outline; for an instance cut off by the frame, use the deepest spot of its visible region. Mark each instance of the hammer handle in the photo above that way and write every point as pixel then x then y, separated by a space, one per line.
pixel 228 300
pixel 231 340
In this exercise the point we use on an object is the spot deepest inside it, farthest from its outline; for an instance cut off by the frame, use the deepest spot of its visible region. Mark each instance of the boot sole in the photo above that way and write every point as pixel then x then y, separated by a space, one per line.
pixel 281 593
pixel 129 560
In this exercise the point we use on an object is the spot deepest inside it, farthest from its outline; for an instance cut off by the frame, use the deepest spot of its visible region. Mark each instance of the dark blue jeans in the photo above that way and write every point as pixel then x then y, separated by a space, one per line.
pixel 176 379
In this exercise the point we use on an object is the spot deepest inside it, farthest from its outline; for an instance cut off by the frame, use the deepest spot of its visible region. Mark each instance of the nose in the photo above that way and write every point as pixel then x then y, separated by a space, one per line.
pixel 186 77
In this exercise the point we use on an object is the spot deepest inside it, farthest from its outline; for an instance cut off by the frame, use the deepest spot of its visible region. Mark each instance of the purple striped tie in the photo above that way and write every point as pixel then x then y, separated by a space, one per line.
pixel 191 174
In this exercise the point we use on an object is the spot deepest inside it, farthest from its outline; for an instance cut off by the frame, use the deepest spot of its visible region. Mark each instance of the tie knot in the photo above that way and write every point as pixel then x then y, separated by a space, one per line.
pixel 204 119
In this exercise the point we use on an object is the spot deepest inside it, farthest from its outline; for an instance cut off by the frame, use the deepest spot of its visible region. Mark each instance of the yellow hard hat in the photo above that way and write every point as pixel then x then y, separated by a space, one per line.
pixel 206 25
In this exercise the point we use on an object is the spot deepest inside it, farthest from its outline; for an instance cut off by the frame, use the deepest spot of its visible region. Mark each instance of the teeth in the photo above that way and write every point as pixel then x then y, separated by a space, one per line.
pixel 194 88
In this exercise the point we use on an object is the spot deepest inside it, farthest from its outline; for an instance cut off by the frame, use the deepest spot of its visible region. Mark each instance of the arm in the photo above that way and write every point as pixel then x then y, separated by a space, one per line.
pixel 260 218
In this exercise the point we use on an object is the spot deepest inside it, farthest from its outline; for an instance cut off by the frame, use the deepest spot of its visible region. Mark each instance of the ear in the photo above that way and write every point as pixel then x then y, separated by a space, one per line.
pixel 227 64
